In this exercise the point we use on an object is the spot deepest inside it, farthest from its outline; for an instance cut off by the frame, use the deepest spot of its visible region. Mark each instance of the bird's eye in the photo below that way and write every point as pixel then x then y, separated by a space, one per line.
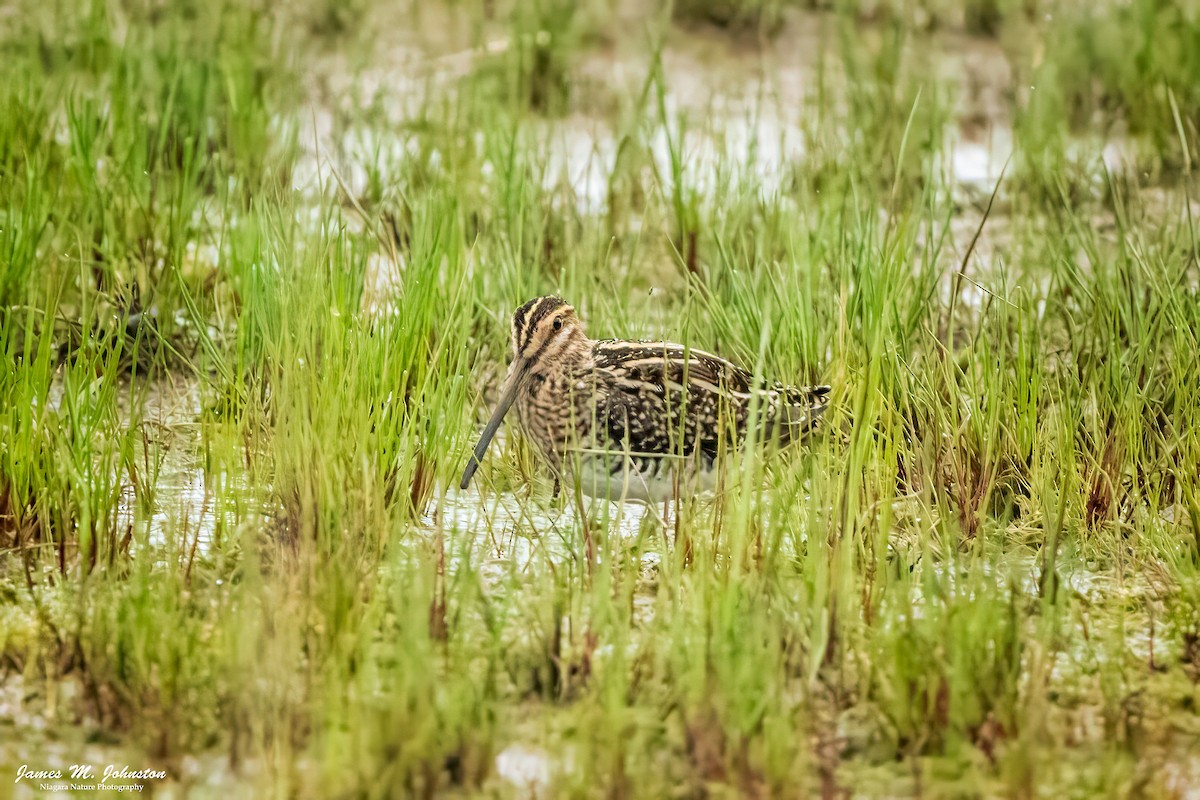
pixel 558 323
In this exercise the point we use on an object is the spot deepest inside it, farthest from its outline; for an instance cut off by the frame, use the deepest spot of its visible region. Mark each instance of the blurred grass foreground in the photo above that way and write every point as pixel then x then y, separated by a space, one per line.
pixel 257 262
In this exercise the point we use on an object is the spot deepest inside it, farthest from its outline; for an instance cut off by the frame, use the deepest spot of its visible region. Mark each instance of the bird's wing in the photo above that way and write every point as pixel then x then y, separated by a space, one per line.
pixel 662 398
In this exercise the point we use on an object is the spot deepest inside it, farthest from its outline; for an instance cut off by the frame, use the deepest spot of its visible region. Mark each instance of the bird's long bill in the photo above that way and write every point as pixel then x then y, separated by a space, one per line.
pixel 508 393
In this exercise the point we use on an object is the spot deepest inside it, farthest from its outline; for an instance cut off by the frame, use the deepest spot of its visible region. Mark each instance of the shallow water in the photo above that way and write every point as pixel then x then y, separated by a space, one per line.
pixel 504 534
pixel 731 109
pixel 528 769
pixel 188 507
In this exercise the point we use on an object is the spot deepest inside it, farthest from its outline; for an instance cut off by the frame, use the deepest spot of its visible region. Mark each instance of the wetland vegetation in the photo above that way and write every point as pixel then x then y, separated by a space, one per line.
pixel 257 262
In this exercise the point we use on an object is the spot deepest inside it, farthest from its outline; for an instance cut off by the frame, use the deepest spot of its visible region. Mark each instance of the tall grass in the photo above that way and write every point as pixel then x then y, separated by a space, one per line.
pixel 979 579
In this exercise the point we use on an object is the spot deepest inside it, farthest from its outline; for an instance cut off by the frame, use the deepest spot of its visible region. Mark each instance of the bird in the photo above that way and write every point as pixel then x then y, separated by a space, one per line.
pixel 634 420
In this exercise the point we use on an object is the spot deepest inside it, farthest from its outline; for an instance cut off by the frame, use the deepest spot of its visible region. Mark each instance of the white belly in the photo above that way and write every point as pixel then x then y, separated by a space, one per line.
pixel 647 479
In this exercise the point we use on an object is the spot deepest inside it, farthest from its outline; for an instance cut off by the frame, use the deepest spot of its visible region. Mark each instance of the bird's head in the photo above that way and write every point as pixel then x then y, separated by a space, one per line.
pixel 547 337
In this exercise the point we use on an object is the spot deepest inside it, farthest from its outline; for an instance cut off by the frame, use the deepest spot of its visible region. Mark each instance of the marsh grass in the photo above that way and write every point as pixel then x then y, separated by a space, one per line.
pixel 983 578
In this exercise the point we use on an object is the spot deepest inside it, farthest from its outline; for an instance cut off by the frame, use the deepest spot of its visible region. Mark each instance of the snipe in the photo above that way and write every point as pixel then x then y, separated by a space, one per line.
pixel 639 420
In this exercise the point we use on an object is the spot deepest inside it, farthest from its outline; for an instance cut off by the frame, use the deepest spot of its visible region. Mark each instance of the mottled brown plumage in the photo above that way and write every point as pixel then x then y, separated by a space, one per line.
pixel 634 419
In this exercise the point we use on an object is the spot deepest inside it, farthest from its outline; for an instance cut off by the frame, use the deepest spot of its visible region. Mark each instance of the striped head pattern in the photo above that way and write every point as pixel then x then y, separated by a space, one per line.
pixel 546 336
pixel 546 329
